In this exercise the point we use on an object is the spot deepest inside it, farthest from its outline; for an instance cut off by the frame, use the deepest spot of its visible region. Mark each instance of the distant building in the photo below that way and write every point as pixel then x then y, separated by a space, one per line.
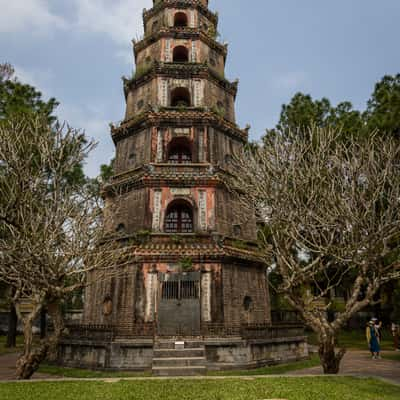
pixel 197 276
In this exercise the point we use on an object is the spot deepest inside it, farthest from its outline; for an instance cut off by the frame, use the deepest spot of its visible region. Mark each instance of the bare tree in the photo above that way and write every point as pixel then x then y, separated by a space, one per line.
pixel 52 230
pixel 332 217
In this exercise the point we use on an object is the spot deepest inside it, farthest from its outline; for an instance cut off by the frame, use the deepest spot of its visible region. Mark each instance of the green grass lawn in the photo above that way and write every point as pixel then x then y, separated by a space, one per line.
pixel 356 340
pixel 206 389
pixel 273 370
pixel 392 356
pixel 5 350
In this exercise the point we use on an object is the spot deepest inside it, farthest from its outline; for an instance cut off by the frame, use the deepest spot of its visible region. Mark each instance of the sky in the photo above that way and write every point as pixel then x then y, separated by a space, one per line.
pixel 78 50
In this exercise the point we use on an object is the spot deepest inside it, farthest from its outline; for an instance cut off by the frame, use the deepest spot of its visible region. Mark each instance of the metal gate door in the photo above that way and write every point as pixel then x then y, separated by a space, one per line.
pixel 179 304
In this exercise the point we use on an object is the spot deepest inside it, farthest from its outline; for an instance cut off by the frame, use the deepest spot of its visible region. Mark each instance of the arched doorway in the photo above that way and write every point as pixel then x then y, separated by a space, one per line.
pixel 180 97
pixel 179 151
pixel 179 218
pixel 180 19
pixel 180 54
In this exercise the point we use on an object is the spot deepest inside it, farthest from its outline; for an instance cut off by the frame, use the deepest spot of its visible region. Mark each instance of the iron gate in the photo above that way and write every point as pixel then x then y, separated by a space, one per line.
pixel 179 304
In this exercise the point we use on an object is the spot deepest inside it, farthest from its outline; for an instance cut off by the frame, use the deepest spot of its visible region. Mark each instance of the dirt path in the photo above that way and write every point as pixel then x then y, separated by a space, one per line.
pixel 359 363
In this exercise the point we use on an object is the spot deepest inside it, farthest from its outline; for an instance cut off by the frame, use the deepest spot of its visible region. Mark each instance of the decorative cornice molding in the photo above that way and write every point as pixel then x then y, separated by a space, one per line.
pixel 181 4
pixel 180 33
pixel 177 117
pixel 159 175
pixel 180 70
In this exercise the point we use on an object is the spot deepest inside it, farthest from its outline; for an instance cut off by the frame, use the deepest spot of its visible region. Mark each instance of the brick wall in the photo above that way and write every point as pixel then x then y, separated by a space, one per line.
pixel 240 282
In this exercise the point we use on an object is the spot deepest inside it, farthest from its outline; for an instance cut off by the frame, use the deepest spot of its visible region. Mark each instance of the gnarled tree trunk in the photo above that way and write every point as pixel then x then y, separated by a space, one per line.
pixel 30 361
pixel 329 356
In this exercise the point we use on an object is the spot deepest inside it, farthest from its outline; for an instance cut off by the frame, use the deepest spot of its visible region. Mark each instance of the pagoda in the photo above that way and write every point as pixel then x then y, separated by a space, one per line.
pixel 196 295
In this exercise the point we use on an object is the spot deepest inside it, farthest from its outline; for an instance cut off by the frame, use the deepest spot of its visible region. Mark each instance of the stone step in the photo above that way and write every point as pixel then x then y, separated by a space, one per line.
pixel 189 352
pixel 179 371
pixel 170 344
pixel 179 362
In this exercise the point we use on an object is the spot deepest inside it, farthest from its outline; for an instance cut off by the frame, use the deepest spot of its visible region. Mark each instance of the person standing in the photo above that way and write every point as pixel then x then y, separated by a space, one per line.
pixel 373 340
pixel 378 327
pixel 396 336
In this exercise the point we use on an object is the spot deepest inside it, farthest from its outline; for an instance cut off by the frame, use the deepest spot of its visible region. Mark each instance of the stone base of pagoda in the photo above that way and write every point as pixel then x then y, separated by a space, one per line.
pixel 221 353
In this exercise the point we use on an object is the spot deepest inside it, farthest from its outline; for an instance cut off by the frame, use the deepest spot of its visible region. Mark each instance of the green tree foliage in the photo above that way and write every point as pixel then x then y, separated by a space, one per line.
pixel 383 110
pixel 24 101
pixel 18 98
pixel 382 113
pixel 344 117
pixel 106 171
pixel 303 111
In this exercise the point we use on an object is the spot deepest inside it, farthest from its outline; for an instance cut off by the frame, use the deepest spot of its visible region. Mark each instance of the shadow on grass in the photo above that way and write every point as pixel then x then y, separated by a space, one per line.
pixel 81 373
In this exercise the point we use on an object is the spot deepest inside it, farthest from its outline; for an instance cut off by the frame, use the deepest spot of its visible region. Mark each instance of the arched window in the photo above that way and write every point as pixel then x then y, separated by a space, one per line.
pixel 179 151
pixel 180 54
pixel 180 19
pixel 180 97
pixel 107 306
pixel 179 218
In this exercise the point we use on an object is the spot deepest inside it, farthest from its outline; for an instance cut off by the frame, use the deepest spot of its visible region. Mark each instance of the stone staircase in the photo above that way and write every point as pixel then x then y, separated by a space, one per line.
pixel 179 358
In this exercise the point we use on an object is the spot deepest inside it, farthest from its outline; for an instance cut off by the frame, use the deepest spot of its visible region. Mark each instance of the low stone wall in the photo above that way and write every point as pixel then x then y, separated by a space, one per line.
pixel 247 354
pixel 104 355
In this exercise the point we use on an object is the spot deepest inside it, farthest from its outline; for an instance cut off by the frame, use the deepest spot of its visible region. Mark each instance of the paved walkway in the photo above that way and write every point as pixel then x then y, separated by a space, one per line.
pixel 359 363
pixel 7 368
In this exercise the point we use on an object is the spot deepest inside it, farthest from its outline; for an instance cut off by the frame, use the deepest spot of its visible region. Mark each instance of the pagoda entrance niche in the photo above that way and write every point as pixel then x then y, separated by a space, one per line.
pixel 180 20
pixel 180 151
pixel 179 304
pixel 180 97
pixel 180 54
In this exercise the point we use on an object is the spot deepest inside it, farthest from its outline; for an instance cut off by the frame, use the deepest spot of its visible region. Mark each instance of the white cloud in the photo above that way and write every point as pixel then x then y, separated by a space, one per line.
pixel 289 81
pixel 121 20
pixel 33 16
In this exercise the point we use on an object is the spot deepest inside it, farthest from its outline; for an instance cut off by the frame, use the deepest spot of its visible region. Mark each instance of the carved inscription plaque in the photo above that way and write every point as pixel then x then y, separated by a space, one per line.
pixel 157 211
pixel 159 157
pixel 203 210
pixel 206 297
pixel 180 191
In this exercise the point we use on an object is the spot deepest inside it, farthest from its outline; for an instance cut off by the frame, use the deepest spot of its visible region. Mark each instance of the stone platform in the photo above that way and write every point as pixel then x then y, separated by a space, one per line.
pixel 199 353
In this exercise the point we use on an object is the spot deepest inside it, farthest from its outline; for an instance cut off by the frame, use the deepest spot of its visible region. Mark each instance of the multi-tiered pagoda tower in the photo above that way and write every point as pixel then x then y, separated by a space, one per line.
pixel 196 273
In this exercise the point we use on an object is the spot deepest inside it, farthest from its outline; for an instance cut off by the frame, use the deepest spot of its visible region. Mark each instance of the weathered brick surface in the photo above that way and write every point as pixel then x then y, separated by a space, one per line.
pixel 239 282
